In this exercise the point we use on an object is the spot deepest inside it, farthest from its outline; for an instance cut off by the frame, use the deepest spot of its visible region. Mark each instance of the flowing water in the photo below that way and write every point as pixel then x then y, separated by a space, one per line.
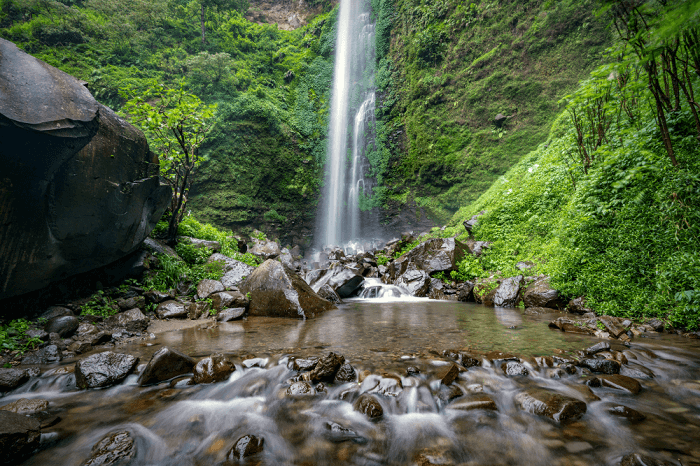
pixel 179 424
pixel 352 108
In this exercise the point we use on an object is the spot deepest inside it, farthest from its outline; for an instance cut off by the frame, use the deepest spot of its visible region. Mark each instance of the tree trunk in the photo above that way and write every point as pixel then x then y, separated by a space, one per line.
pixel 202 21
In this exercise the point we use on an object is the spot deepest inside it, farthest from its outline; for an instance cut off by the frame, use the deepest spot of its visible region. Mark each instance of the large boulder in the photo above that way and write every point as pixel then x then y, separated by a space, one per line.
pixel 116 448
pixel 343 280
pixel 265 249
pixel 433 255
pixel 215 368
pixel 507 292
pixel 103 369
pixel 11 378
pixel 19 436
pixel 415 281
pixel 165 364
pixel 278 292
pixel 132 320
pixel 234 271
pixel 550 404
pixel 79 186
pixel 541 294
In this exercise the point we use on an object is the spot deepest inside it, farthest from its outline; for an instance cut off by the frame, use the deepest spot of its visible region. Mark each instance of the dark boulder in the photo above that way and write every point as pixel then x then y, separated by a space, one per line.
pixel 326 368
pixel 343 280
pixel 46 355
pixel 415 281
pixel 65 326
pixel 345 374
pixel 232 313
pixel 103 369
pixel 329 294
pixel 132 320
pixel 369 406
pixel 228 299
pixel 578 306
pixel 246 446
pixel 278 292
pixel 156 297
pixel 300 388
pixel 541 294
pixel 436 255
pixel 207 287
pixel 507 292
pixel 19 436
pixel 606 366
pixel 131 303
pixel 171 310
pixel 447 373
pixel 617 382
pixel 598 347
pixel 80 187
pixel 552 405
pixel 465 292
pixel 165 364
pixel 632 415
pixel 116 448
pixel 307 364
pixel 215 368
pixel 11 378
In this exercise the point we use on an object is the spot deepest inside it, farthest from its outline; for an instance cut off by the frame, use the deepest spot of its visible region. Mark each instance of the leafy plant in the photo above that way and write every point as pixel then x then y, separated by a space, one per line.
pixel 99 305
pixel 382 259
pixel 468 268
pixel 13 337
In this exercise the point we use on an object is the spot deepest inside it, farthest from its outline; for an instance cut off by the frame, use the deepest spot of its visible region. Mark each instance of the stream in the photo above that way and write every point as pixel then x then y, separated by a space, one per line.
pixel 174 423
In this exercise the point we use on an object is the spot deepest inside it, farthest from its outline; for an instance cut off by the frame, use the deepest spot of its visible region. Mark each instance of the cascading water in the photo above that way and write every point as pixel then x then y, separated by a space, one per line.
pixel 340 220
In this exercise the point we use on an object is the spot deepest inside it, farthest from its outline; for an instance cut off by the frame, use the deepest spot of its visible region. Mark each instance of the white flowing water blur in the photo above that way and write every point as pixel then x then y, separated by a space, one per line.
pixel 352 106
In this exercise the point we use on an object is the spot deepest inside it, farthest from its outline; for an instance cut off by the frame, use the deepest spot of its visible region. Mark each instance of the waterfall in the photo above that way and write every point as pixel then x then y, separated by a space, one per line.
pixel 340 220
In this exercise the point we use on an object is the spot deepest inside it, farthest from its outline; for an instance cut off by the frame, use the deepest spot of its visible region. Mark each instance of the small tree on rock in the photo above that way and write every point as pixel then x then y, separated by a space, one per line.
pixel 175 123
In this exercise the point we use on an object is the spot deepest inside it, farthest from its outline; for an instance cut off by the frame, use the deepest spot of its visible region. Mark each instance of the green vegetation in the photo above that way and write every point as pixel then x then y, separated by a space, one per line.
pixel 382 259
pixel 13 337
pixel 452 67
pixel 99 305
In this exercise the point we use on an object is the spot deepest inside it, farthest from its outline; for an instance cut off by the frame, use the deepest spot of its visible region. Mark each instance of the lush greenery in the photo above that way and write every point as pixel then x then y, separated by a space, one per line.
pixel 13 336
pixel 448 68
pixel 620 225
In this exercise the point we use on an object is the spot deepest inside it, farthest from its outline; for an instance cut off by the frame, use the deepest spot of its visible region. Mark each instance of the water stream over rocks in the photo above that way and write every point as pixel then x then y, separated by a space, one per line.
pixel 509 390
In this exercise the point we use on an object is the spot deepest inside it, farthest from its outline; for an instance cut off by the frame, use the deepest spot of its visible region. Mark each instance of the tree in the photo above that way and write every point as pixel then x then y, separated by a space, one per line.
pixel 175 123
pixel 221 5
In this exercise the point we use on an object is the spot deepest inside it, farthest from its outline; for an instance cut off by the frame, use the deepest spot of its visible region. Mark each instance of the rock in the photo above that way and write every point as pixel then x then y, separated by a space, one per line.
pixel 612 325
pixel 116 448
pixel 619 382
pixel 636 371
pixel 628 413
pixel 656 324
pixel 159 247
pixel 541 294
pixel 246 446
pixel 474 402
pixel 464 359
pixel 337 433
pixel 215 368
pixel 300 388
pixel 343 280
pixel 171 310
pixel 130 303
pixel 227 315
pixel 345 374
pixel 447 373
pixel 606 366
pixel 536 311
pixel 277 292
pixel 103 369
pixel 65 326
pixel 415 281
pixel 301 365
pixel 11 378
pixel 80 347
pixel 78 190
pixel 572 326
pixel 265 249
pixel 412 371
pixel 578 306
pixel 326 368
pixel 86 331
pixel 507 292
pixel 465 292
pixel 19 436
pixel 165 364
pixel 552 405
pixel 26 406
pixel 471 223
pixel 228 299
pixel 132 320
pixel 329 294
pixel 207 287
pixel 598 347
pixel 636 459
pixel 214 246
pixel 389 385
pixel 436 255
pixel 485 290
pixel 156 297
pixel 447 393
pixel 512 368
pixel 55 311
pixel 369 406
pixel 46 355
pixel 197 309
pixel 235 276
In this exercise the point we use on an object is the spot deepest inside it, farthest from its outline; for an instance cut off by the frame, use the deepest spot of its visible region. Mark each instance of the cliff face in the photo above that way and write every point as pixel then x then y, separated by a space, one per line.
pixel 287 14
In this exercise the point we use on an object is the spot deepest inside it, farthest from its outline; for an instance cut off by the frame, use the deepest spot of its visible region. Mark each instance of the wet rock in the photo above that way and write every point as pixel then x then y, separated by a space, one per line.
pixel 337 433
pixel 465 292
pixel 606 366
pixel 237 273
pixel 130 303
pixel 447 393
pixel 571 326
pixel 198 309
pixel 437 255
pixel 46 355
pixel 86 331
pixel 485 290
pixel 345 374
pixel 11 378
pixel 227 315
pixel 277 292
pixel 207 287
pixel 552 405
pixel 343 280
pixel 255 362
pixel 369 406
pixel 619 382
pixel 513 368
pixel 80 347
pixel 171 310
pixel 612 325
pixel 38 333
pixel 265 249
pixel 578 306
pixel 300 388
pixel 415 281
pixel 636 371
pixel 630 414
pixel 103 369
pixel 586 393
pixel 636 459
pixel 507 292
pixel 65 326
pixel 329 294
pixel 656 324
pixel 78 208
pixel 326 368
pixel 55 311
pixel 165 364
pixel 447 374
pixel 474 402
pixel 541 294
pixel 156 297
pixel 132 320
pixel 213 369
pixel 598 347
pixel 304 364
pixel 389 385
pixel 412 371
pixel 26 406
pixel 228 299
pixel 116 448
pixel 19 436
pixel 246 446
pixel 477 247
pixel 437 289
pixel 463 359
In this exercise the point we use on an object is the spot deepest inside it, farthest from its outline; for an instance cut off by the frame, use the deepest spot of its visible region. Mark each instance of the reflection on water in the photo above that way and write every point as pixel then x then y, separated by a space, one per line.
pixel 176 424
